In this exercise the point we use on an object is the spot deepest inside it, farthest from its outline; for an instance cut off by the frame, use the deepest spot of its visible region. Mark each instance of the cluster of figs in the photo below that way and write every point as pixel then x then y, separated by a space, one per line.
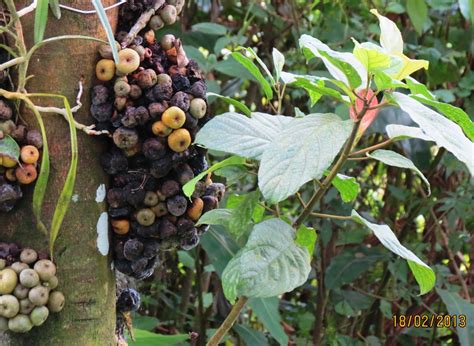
pixel 152 101
pixel 28 285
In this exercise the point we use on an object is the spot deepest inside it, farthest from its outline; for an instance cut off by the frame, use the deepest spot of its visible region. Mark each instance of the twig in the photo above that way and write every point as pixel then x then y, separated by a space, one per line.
pixel 300 199
pixel 32 7
pixel 372 148
pixel 228 322
pixel 330 216
pixel 12 62
pixel 141 22
pixel 358 158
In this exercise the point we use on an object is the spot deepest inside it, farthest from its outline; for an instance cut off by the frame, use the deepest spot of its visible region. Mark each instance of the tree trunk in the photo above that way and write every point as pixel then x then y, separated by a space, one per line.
pixel 85 274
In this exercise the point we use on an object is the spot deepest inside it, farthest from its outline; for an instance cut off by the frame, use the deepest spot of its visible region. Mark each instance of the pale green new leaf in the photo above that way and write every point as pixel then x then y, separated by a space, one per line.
pixel 270 263
pixel 41 18
pixel 300 153
pixel 216 217
pixel 260 62
pixel 342 66
pixel 306 237
pixel 237 104
pixel 443 131
pixel 237 134
pixel 278 62
pixel 348 187
pixel 54 6
pixel 458 306
pixel 392 158
pixel 423 274
pixel 418 88
pixel 253 69
pixel 371 56
pixel 190 186
pixel 9 147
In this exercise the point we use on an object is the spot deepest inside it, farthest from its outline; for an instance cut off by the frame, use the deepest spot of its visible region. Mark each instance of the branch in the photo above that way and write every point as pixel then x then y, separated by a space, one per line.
pixel 228 322
pixel 372 148
pixel 12 62
pixel 330 216
pixel 141 22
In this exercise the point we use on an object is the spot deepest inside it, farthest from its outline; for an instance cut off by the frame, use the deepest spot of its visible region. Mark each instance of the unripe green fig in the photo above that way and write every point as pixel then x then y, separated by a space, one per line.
pixel 51 283
pixel 20 324
pixel 45 269
pixel 28 256
pixel 9 306
pixel 21 292
pixel 8 281
pixel 18 267
pixel 39 315
pixel 26 306
pixel 56 301
pixel 39 295
pixel 29 278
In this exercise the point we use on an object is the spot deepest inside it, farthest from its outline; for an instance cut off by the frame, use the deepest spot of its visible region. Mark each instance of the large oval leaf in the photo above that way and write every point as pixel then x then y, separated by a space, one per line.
pixel 237 134
pixel 9 147
pixel 443 131
pixel 270 263
pixel 300 153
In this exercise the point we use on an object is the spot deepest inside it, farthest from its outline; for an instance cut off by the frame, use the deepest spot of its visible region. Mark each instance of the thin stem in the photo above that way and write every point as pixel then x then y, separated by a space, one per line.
pixel 358 158
pixel 330 216
pixel 228 322
pixel 372 147
pixel 11 63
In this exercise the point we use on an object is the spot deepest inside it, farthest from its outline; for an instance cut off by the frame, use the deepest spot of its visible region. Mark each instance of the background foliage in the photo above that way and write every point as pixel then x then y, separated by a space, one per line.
pixel 355 285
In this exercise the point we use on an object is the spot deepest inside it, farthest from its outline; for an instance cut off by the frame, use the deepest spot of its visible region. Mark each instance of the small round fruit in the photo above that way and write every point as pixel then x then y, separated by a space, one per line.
pixel 29 278
pixel 28 256
pixel 195 211
pixel 179 140
pixel 129 60
pixel 20 324
pixel 105 70
pixel 8 162
pixel 8 281
pixel 149 37
pixel 39 315
pixel 26 306
pixel 167 41
pixel 38 295
pixel 160 129
pixel 3 263
pixel 174 117
pixel 45 269
pixel 146 217
pixel 151 199
pixel 10 174
pixel 160 209
pixel 29 154
pixel 21 292
pixel 177 205
pixel 156 23
pixel 26 174
pixel 18 267
pixel 105 50
pixel 56 301
pixel 122 88
pixel 9 306
pixel 121 227
pixel 51 283
pixel 168 14
pixel 164 78
pixel 125 138
pixel 198 108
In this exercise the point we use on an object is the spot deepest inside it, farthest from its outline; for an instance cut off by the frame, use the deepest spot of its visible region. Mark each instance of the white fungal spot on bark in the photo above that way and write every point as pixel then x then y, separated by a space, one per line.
pixel 100 194
pixel 75 198
pixel 103 234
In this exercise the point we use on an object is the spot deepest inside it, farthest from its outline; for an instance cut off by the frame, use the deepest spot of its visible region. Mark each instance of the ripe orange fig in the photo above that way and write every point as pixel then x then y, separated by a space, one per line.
pixel 26 174
pixel 29 154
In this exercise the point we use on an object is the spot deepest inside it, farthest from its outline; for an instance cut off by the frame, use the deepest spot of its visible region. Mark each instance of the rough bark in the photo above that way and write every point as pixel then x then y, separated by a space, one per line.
pixel 85 275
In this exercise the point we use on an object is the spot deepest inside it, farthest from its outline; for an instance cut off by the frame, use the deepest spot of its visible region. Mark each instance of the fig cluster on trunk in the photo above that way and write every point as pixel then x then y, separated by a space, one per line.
pixel 152 102
pixel 28 288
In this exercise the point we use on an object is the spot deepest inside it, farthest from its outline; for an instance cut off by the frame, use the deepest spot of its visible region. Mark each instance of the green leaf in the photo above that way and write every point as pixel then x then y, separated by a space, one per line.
pixel 190 186
pixel 443 131
pixel 371 56
pixel 342 66
pixel 9 147
pixel 392 158
pixel 250 336
pixel 399 132
pixel 260 62
pixel 278 62
pixel 186 259
pixel 347 186
pixel 216 217
pixel 237 134
pixel 68 188
pixel 242 214
pixel 458 306
pixel 108 29
pixel 418 13
pixel 349 265
pixel 267 312
pixel 306 237
pixel 269 264
pixel 467 9
pixel 210 28
pixel 383 81
pixel 453 113
pixel 41 18
pixel 146 338
pixel 239 105
pixel 253 69
pixel 55 9
pixel 390 36
pixel 423 274
pixel 300 153
pixel 418 88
